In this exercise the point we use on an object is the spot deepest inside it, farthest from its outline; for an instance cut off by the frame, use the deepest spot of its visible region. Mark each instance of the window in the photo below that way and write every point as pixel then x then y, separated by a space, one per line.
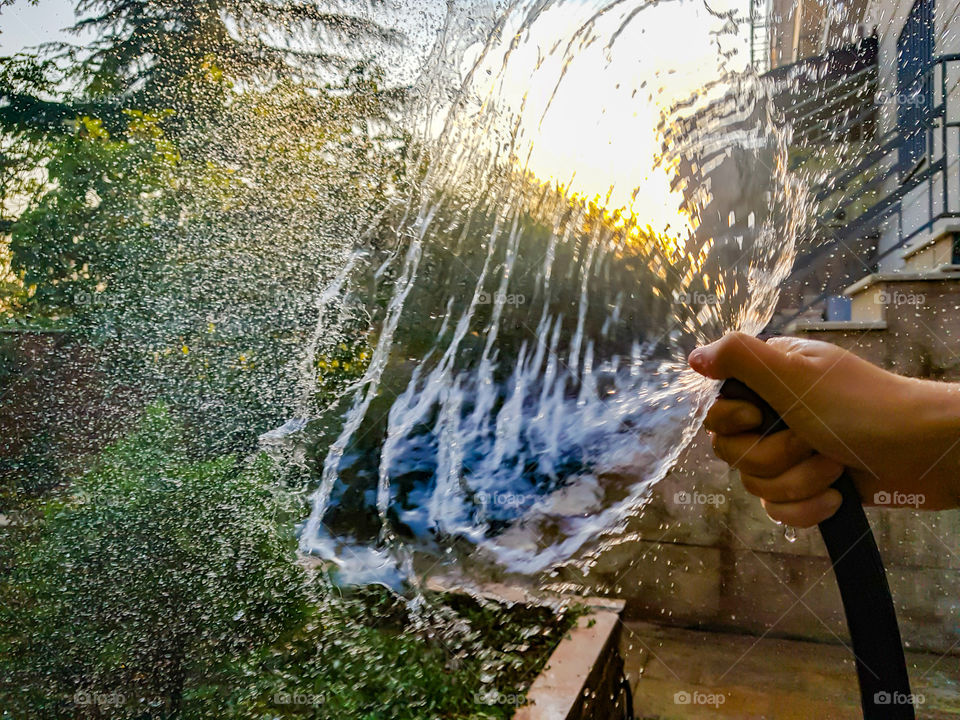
pixel 914 82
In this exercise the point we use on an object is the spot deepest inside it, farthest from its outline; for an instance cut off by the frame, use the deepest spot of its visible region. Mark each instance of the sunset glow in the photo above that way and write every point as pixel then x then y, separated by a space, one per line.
pixel 595 132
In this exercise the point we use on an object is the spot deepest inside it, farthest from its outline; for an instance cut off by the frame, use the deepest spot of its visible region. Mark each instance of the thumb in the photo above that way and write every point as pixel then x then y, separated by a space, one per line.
pixel 765 369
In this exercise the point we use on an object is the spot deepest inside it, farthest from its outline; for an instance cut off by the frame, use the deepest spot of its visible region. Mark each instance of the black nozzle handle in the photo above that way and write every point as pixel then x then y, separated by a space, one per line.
pixel 867 602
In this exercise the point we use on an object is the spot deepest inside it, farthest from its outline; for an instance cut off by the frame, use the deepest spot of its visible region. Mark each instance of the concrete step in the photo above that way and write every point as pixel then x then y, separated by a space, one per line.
pixel 875 296
pixel 677 673
pixel 932 252
pixel 813 326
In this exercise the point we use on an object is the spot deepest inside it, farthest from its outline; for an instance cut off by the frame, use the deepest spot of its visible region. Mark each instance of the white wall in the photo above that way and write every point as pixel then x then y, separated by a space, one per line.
pixel 889 17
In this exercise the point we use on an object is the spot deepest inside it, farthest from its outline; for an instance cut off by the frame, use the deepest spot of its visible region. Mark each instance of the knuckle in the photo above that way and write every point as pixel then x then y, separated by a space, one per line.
pixel 788 345
pixel 803 481
pixel 760 461
pixel 733 341
pixel 752 485
pixel 822 470
pixel 795 492
pixel 833 467
pixel 794 446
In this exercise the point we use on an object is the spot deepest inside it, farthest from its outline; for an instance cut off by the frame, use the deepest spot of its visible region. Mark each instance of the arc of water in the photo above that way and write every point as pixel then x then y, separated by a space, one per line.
pixel 370 384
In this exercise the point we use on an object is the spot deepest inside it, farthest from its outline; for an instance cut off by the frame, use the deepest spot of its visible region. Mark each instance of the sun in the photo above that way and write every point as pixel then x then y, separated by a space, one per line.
pixel 588 111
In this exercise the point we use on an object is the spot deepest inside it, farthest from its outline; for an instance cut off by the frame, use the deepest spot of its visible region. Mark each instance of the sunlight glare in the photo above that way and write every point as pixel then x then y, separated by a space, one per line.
pixel 595 133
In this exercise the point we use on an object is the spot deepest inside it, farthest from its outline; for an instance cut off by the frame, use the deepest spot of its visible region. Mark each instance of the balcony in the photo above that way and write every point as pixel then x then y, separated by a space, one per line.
pixel 903 193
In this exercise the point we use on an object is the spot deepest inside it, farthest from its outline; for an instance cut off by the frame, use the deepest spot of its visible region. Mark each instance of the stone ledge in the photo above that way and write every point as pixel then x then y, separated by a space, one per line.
pixel 571 686
pixel 942 233
pixel 517 594
pixel 583 678
pixel 865 282
pixel 834 325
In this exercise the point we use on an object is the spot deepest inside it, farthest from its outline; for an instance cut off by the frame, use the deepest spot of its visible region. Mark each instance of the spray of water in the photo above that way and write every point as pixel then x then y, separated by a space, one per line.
pixel 556 258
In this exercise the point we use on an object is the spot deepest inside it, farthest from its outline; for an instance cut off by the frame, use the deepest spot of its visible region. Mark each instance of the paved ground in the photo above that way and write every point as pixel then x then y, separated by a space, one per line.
pixel 738 676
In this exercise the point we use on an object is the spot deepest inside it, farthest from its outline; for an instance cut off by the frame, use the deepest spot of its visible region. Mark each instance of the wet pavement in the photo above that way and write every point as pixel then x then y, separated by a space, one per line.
pixel 690 674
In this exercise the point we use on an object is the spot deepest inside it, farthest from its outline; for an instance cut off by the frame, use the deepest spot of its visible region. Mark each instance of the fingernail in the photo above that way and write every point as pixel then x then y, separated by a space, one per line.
pixel 695 358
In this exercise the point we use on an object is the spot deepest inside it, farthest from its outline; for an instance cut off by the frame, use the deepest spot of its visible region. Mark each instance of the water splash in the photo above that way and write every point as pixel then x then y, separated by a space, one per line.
pixel 526 388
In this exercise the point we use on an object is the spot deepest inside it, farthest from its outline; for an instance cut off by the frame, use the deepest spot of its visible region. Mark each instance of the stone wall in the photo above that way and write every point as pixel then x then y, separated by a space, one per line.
pixel 711 558
pixel 726 565
pixel 922 334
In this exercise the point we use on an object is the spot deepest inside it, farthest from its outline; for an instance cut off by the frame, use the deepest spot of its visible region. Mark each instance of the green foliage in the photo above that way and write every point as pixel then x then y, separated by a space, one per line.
pixel 156 54
pixel 360 658
pixel 179 212
pixel 153 569
pixel 37 103
pixel 179 191
pixel 162 586
pixel 80 235
pixel 195 264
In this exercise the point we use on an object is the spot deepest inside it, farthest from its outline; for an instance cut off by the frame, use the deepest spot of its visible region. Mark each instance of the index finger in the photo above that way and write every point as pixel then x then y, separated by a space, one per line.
pixel 731 417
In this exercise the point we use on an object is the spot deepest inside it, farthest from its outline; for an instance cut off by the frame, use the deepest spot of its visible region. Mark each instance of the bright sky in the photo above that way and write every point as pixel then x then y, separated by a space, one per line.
pixel 601 123
pixel 600 128
pixel 24 25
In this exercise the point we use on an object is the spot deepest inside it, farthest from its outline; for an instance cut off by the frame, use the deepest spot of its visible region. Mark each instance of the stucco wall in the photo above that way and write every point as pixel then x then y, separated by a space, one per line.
pixel 889 16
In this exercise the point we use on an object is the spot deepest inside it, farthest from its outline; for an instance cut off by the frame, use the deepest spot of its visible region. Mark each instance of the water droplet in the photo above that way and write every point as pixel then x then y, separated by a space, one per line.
pixel 790 533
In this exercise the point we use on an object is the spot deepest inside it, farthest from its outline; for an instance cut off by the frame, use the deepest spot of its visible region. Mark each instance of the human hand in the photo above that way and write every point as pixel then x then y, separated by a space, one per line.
pixel 898 437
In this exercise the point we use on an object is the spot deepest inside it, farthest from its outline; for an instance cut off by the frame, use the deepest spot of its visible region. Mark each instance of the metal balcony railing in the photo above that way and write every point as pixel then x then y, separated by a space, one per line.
pixel 880 192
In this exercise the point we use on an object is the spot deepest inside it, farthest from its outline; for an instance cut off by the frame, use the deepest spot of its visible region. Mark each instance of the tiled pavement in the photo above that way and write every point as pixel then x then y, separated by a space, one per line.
pixel 740 676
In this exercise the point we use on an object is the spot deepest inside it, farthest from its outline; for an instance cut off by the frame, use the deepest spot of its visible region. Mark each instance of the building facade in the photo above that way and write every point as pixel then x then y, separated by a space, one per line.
pixel 902 192
pixel 874 100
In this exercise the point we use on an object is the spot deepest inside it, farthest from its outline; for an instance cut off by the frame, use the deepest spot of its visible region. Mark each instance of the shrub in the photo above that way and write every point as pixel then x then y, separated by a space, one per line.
pixel 155 568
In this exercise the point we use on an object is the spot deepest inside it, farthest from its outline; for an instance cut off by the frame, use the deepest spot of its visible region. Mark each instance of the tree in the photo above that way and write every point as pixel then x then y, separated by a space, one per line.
pixel 94 213
pixel 154 53
pixel 197 273
pixel 155 569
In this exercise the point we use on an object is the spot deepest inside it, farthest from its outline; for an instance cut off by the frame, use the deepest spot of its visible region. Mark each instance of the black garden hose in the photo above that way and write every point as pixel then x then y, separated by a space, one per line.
pixel 867 603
